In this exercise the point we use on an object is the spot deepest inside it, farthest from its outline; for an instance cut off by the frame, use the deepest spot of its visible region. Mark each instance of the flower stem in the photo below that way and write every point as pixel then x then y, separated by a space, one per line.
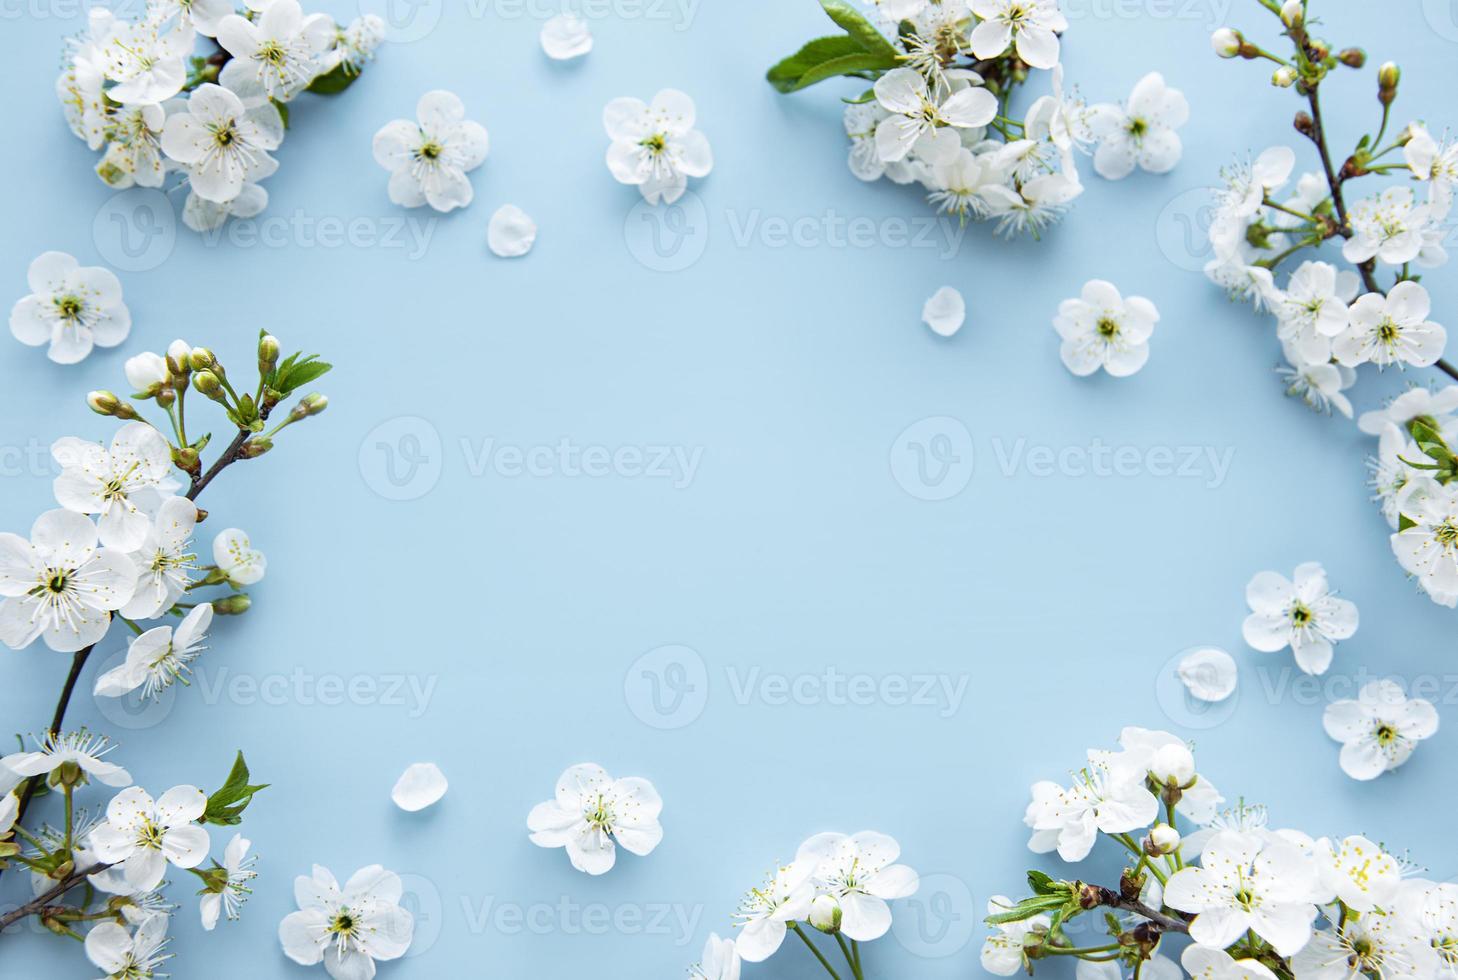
pixel 795 927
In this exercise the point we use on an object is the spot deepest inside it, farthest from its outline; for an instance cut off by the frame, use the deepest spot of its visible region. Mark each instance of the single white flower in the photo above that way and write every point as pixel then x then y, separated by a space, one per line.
pixel 1102 329
pixel 282 48
pixel 128 955
pixel 1003 952
pixel 163 559
pixel 593 812
pixel 79 748
pixel 859 871
pixel 419 786
pixel 145 835
pixel 1390 475
pixel 1319 385
pixel 347 929
pixel 1101 798
pixel 202 215
pixel 1428 547
pixel 944 312
pixel 1387 227
pixel 1033 206
pixel 1391 329
pixel 1358 872
pixel 158 657
pixel 1060 120
pixel 918 121
pixel 1302 613
pixel 766 911
pixel 1438 406
pixel 59 586
pixel 1434 162
pixel 1371 944
pixel 70 307
pixel 236 558
pixel 655 147
pixel 1242 279
pixel 1209 963
pixel 428 159
pixel 1209 674
pixel 355 45
pixel 959 184
pixel 1432 908
pixel 1314 308
pixel 512 232
pixel 222 144
pixel 1031 26
pixel 1245 884
pixel 1380 729
pixel 566 36
pixel 119 483
pixel 147 62
pixel 719 962
pixel 1142 131
pixel 1248 184
pixel 1168 765
pixel 227 884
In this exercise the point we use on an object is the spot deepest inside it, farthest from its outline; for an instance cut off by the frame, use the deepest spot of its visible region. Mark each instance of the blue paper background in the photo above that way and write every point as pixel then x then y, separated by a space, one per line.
pixel 494 623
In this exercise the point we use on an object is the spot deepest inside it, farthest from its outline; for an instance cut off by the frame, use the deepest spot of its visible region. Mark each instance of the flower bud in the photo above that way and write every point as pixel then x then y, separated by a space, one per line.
pixel 1226 42
pixel 186 459
pixel 179 358
pixel 1320 50
pixel 201 359
pixel 1173 764
pixel 267 353
pixel 1293 13
pixel 208 384
pixel 1352 57
pixel 1163 839
pixel 68 774
pixel 1304 124
pixel 310 404
pixel 254 448
pixel 106 403
pixel 1284 77
pixel 825 914
pixel 233 605
pixel 1387 78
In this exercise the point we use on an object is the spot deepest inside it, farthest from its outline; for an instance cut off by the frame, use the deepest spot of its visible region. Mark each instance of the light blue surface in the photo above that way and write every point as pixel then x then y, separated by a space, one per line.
pixel 523 602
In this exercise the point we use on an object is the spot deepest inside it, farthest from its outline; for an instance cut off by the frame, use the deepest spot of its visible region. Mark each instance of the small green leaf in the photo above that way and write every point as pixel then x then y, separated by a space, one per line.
pixel 1404 522
pixel 334 81
pixel 866 34
pixel 822 58
pixel 226 805
pixel 297 370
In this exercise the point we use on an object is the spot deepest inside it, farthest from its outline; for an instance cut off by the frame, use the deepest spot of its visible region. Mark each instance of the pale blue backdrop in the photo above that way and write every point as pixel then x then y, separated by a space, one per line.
pixel 432 595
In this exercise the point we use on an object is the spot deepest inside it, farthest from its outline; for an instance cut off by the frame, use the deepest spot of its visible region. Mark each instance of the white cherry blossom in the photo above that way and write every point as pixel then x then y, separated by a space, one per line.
pixel 766 911
pixel 126 955
pixel 1209 963
pixel 1358 872
pixel 859 871
pixel 146 61
pixel 1370 944
pixel 1102 329
pixel 120 483
pixel 428 159
pixel 347 929
pixel 593 813
pixel 1301 613
pixel 145 835
pixel 1003 952
pixel 235 556
pixel 158 657
pixel 1439 406
pixel 1391 329
pixel 60 586
pixel 1030 26
pixel 1141 132
pixel 1434 162
pixel 1314 308
pixel 721 960
pixel 282 48
pixel 1102 798
pixel 1379 729
pixel 918 121
pixel 228 884
pixel 1387 227
pixel 79 748
pixel 221 144
pixel 70 307
pixel 163 559
pixel 655 147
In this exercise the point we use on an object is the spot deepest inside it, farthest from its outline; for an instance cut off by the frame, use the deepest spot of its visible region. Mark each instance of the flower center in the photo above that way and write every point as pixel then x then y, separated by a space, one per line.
pixel 225 135
pixel 273 53
pixel 1446 533
pixel 1300 615
pixel 1386 735
pixel 149 835
pixel 1388 331
pixel 430 150
pixel 654 144
pixel 57 582
pixel 1108 327
pixel 1138 127
pixel 70 307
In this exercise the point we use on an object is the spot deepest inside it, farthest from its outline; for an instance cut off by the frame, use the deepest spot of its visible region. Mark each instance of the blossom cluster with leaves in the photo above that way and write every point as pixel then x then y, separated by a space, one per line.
pixel 939 111
pixel 119 548
pixel 1254 901
pixel 144 94
pixel 1371 308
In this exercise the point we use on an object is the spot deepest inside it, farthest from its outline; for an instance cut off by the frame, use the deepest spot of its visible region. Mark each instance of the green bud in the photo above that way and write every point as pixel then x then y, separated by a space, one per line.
pixel 254 448
pixel 106 403
pixel 186 459
pixel 310 404
pixel 1352 57
pixel 67 774
pixel 825 914
pixel 208 384
pixel 1387 78
pixel 233 605
pixel 267 353
pixel 1293 13
pixel 1284 77
pixel 201 359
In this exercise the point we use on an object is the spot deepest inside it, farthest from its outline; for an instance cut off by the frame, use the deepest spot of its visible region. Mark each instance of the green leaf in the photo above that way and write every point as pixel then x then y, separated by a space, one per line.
pixel 869 95
pixel 225 807
pixel 866 34
pixel 334 81
pixel 1404 522
pixel 822 58
pixel 283 111
pixel 297 370
pixel 1040 883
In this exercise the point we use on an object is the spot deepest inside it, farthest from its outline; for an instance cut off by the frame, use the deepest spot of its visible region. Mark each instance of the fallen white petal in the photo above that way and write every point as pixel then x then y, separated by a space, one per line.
pixel 512 232
pixel 1209 674
pixel 566 36
pixel 419 786
pixel 945 311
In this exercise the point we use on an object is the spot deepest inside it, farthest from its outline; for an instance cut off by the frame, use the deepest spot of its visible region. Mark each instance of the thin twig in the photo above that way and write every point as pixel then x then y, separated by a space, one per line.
pixel 41 901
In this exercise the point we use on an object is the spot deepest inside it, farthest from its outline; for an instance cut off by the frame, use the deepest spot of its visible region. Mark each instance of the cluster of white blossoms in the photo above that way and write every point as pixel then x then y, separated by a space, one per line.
pixel 1257 903
pixel 1331 319
pixel 938 113
pixel 838 884
pixel 197 89
pixel 121 856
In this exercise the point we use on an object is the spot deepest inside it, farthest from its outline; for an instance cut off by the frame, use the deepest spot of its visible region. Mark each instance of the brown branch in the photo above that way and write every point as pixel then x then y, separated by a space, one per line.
pixel 43 900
